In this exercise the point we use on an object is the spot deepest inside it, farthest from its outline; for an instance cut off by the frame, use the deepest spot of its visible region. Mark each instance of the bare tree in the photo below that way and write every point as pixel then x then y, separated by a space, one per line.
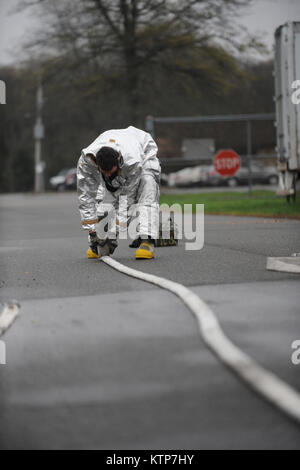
pixel 127 40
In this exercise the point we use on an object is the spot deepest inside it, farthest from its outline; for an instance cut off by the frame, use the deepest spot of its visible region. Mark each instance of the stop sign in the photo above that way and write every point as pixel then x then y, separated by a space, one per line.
pixel 227 162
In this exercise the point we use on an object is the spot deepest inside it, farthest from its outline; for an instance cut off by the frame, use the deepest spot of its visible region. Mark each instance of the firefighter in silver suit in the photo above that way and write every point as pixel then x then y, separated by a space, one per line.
pixel 120 162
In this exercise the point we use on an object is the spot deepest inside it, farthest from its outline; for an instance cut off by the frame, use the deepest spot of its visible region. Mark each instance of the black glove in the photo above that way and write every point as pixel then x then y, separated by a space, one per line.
pixel 107 246
pixel 104 247
pixel 94 242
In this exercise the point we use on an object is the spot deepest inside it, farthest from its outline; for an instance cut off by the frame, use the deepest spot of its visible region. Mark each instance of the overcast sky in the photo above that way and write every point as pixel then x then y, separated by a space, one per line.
pixel 263 17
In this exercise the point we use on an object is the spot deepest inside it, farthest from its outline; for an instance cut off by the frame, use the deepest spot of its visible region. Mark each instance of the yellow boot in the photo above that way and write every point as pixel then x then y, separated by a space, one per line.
pixel 145 251
pixel 91 254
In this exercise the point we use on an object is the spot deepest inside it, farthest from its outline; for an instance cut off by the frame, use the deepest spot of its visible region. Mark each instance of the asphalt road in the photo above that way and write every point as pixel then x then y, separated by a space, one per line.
pixel 98 360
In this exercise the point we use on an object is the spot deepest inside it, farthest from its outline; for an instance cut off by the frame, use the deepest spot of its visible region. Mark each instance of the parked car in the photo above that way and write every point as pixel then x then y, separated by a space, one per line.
pixel 260 174
pixel 187 177
pixel 206 175
pixel 66 179
pixel 71 179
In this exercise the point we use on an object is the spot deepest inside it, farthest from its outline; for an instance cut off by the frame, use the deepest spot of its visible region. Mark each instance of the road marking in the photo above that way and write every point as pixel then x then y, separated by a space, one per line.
pixel 265 383
pixel 8 315
pixel 284 264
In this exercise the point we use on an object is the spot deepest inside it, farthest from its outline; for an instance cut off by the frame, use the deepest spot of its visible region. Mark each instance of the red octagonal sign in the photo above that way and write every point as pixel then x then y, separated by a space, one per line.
pixel 227 162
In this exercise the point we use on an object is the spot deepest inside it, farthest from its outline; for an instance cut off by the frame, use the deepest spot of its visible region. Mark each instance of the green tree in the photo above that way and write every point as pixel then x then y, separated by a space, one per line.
pixel 16 122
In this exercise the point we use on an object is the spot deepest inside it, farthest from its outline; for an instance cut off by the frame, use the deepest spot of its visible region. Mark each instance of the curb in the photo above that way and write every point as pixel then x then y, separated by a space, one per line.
pixel 289 264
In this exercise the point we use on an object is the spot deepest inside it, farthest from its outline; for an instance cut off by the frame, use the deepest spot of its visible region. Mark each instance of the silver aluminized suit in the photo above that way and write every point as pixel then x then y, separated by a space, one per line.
pixel 138 179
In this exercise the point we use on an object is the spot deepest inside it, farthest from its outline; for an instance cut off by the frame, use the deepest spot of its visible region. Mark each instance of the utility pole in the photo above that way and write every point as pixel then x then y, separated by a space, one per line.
pixel 249 155
pixel 38 133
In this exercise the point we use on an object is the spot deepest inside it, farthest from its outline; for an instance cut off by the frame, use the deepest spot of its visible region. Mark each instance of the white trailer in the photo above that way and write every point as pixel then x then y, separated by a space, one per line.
pixel 287 98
